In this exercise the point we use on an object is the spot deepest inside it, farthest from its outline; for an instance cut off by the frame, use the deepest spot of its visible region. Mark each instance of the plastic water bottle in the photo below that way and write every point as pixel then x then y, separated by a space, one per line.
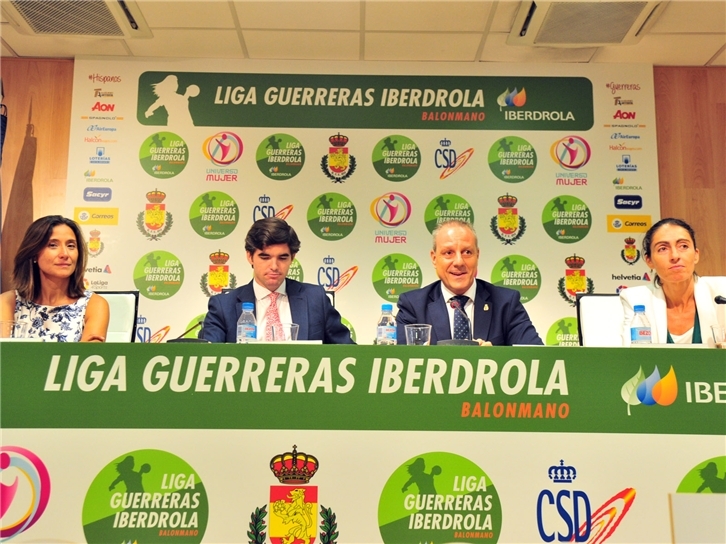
pixel 247 324
pixel 640 327
pixel 386 334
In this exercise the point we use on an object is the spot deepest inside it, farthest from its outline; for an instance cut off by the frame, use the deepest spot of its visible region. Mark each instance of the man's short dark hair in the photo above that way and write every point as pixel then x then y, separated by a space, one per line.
pixel 269 232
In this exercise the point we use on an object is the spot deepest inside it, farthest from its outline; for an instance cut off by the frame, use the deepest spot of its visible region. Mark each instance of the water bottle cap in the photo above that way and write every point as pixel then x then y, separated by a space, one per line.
pixel 248 306
pixel 387 307
pixel 639 308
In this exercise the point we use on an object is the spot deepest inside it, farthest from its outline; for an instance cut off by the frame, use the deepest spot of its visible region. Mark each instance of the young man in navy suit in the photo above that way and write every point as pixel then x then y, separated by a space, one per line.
pixel 271 246
pixel 494 315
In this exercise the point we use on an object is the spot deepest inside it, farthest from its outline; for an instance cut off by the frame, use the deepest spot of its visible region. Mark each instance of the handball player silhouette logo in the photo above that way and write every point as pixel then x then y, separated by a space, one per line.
pixel 171 97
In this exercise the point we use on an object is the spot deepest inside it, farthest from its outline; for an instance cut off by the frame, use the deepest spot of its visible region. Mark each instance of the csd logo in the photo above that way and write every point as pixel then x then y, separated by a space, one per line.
pixel 628 202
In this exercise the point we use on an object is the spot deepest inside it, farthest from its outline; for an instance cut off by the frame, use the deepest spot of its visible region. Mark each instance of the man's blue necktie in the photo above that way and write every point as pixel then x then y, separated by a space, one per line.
pixel 461 321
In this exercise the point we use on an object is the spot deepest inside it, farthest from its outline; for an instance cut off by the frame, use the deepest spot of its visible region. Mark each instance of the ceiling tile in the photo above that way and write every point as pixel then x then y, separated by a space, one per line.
pixel 696 17
pixel 60 47
pixel 423 16
pixel 504 16
pixel 416 46
pixel 221 44
pixel 188 14
pixel 276 44
pixel 497 50
pixel 340 15
pixel 666 50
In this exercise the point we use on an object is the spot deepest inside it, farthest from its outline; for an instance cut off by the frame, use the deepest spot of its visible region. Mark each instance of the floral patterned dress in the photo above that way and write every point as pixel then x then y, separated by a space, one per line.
pixel 53 323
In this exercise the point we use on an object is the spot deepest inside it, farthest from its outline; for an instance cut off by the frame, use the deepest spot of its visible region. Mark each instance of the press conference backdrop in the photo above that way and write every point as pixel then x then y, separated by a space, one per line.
pixel 171 161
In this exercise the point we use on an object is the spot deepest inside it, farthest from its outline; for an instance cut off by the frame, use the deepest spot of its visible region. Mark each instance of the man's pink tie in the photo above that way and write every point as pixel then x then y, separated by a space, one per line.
pixel 272 318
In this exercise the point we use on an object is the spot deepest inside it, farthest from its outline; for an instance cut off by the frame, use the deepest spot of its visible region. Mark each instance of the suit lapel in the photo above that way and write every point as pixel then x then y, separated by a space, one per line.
pixel 438 315
pixel 482 318
pixel 298 307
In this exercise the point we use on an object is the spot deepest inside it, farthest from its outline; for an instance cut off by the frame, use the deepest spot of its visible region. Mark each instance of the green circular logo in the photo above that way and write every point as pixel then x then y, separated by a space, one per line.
pixel 295 272
pixel 146 496
pixel 213 215
pixel 396 158
pixel 280 156
pixel 163 155
pixel 395 274
pixel 566 219
pixel 331 216
pixel 563 332
pixel 446 207
pixel 439 497
pixel 518 273
pixel 512 159
pixel 158 275
pixel 349 325
pixel 705 477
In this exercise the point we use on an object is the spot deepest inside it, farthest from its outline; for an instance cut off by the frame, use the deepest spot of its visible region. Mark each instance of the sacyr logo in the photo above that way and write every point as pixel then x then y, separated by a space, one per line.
pixel 23 501
pixel 97 194
pixel 223 149
pixel 571 152
pixel 515 98
pixel 651 390
pixel 628 202
pixel 391 209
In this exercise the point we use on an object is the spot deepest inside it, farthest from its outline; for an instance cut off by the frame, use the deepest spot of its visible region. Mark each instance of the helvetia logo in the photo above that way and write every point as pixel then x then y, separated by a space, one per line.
pixel 650 390
pixel 508 226
pixel 293 506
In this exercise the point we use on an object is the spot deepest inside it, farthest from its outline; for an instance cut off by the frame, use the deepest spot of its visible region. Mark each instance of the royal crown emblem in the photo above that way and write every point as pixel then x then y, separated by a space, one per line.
pixel 630 253
pixel 218 277
pixel 264 199
pixel 445 142
pixel 508 226
pixel 155 196
pixel 338 164
pixel 293 467
pixel 328 259
pixel 154 222
pixel 562 474
pixel 575 280
pixel 95 245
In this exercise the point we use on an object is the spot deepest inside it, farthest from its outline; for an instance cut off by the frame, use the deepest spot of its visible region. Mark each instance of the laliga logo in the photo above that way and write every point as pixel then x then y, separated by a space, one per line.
pixel 571 152
pixel 507 99
pixel 19 511
pixel 330 278
pixel 651 390
pixel 223 149
pixel 391 209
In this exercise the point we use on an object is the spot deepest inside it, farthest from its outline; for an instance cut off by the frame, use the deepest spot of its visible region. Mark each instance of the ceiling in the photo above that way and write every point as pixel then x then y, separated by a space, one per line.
pixel 684 33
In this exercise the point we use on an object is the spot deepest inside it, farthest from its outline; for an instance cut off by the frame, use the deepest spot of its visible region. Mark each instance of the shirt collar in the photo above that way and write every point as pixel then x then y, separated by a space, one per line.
pixel 262 292
pixel 470 292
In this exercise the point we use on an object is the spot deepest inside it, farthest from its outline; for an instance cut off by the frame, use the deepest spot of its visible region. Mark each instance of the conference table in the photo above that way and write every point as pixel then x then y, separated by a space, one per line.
pixel 295 443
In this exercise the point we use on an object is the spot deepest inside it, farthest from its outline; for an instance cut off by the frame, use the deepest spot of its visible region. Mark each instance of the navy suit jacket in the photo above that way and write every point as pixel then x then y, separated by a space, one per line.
pixel 309 305
pixel 499 316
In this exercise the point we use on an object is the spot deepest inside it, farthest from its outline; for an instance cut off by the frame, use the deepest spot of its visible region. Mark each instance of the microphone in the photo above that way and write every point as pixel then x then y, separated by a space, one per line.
pixel 719 299
pixel 456 305
pixel 180 339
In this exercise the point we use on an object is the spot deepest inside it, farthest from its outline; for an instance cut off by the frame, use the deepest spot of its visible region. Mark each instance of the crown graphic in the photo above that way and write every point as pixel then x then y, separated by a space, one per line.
pixel 264 199
pixel 219 257
pixel 328 259
pixel 156 196
pixel 294 467
pixel 562 474
pixel 445 142
pixel 507 201
pixel 338 140
pixel 95 233
pixel 575 262
pixel 629 240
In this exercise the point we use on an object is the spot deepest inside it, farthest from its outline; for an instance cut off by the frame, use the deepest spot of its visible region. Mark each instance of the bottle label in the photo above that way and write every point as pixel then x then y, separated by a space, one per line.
pixel 387 334
pixel 249 332
pixel 639 334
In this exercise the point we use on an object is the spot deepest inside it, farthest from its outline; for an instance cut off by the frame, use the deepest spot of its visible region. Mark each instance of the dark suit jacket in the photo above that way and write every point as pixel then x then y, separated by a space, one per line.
pixel 504 323
pixel 309 305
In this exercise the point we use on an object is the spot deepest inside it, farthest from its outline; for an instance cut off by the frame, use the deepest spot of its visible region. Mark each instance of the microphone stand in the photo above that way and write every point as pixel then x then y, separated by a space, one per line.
pixel 181 340
pixel 456 305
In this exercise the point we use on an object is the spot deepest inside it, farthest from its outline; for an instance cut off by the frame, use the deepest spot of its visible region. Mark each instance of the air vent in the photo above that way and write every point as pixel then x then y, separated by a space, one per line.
pixel 582 24
pixel 82 18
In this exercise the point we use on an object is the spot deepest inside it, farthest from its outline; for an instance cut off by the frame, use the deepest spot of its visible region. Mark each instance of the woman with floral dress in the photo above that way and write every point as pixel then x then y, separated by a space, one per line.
pixel 49 295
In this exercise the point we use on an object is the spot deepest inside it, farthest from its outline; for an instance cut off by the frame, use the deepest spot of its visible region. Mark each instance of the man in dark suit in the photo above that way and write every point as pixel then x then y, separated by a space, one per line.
pixel 271 246
pixel 495 314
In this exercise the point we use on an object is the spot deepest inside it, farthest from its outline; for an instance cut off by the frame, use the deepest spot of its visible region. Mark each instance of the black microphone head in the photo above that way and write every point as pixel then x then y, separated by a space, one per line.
pixel 454 304
pixel 719 299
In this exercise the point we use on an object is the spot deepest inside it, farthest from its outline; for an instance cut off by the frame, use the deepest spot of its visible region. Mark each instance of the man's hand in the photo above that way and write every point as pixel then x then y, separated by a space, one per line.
pixel 483 342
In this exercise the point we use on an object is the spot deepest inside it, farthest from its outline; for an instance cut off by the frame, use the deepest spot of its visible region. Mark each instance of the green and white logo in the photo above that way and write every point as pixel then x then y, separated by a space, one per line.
pixel 331 216
pixel 146 496
pixel 163 155
pixel 213 215
pixel 446 207
pixel 295 272
pixel 396 158
pixel 158 275
pixel 395 274
pixel 566 219
pixel 280 156
pixel 439 497
pixel 706 477
pixel 349 325
pixel 563 332
pixel 519 273
pixel 512 159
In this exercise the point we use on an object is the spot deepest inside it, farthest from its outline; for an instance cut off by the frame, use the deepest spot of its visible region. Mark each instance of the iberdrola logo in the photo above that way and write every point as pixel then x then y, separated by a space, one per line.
pixel 95 245
pixel 293 506
pixel 338 164
pixel 515 98
pixel 575 280
pixel 630 254
pixel 508 226
pixel 218 277
pixel 154 222
pixel 651 390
